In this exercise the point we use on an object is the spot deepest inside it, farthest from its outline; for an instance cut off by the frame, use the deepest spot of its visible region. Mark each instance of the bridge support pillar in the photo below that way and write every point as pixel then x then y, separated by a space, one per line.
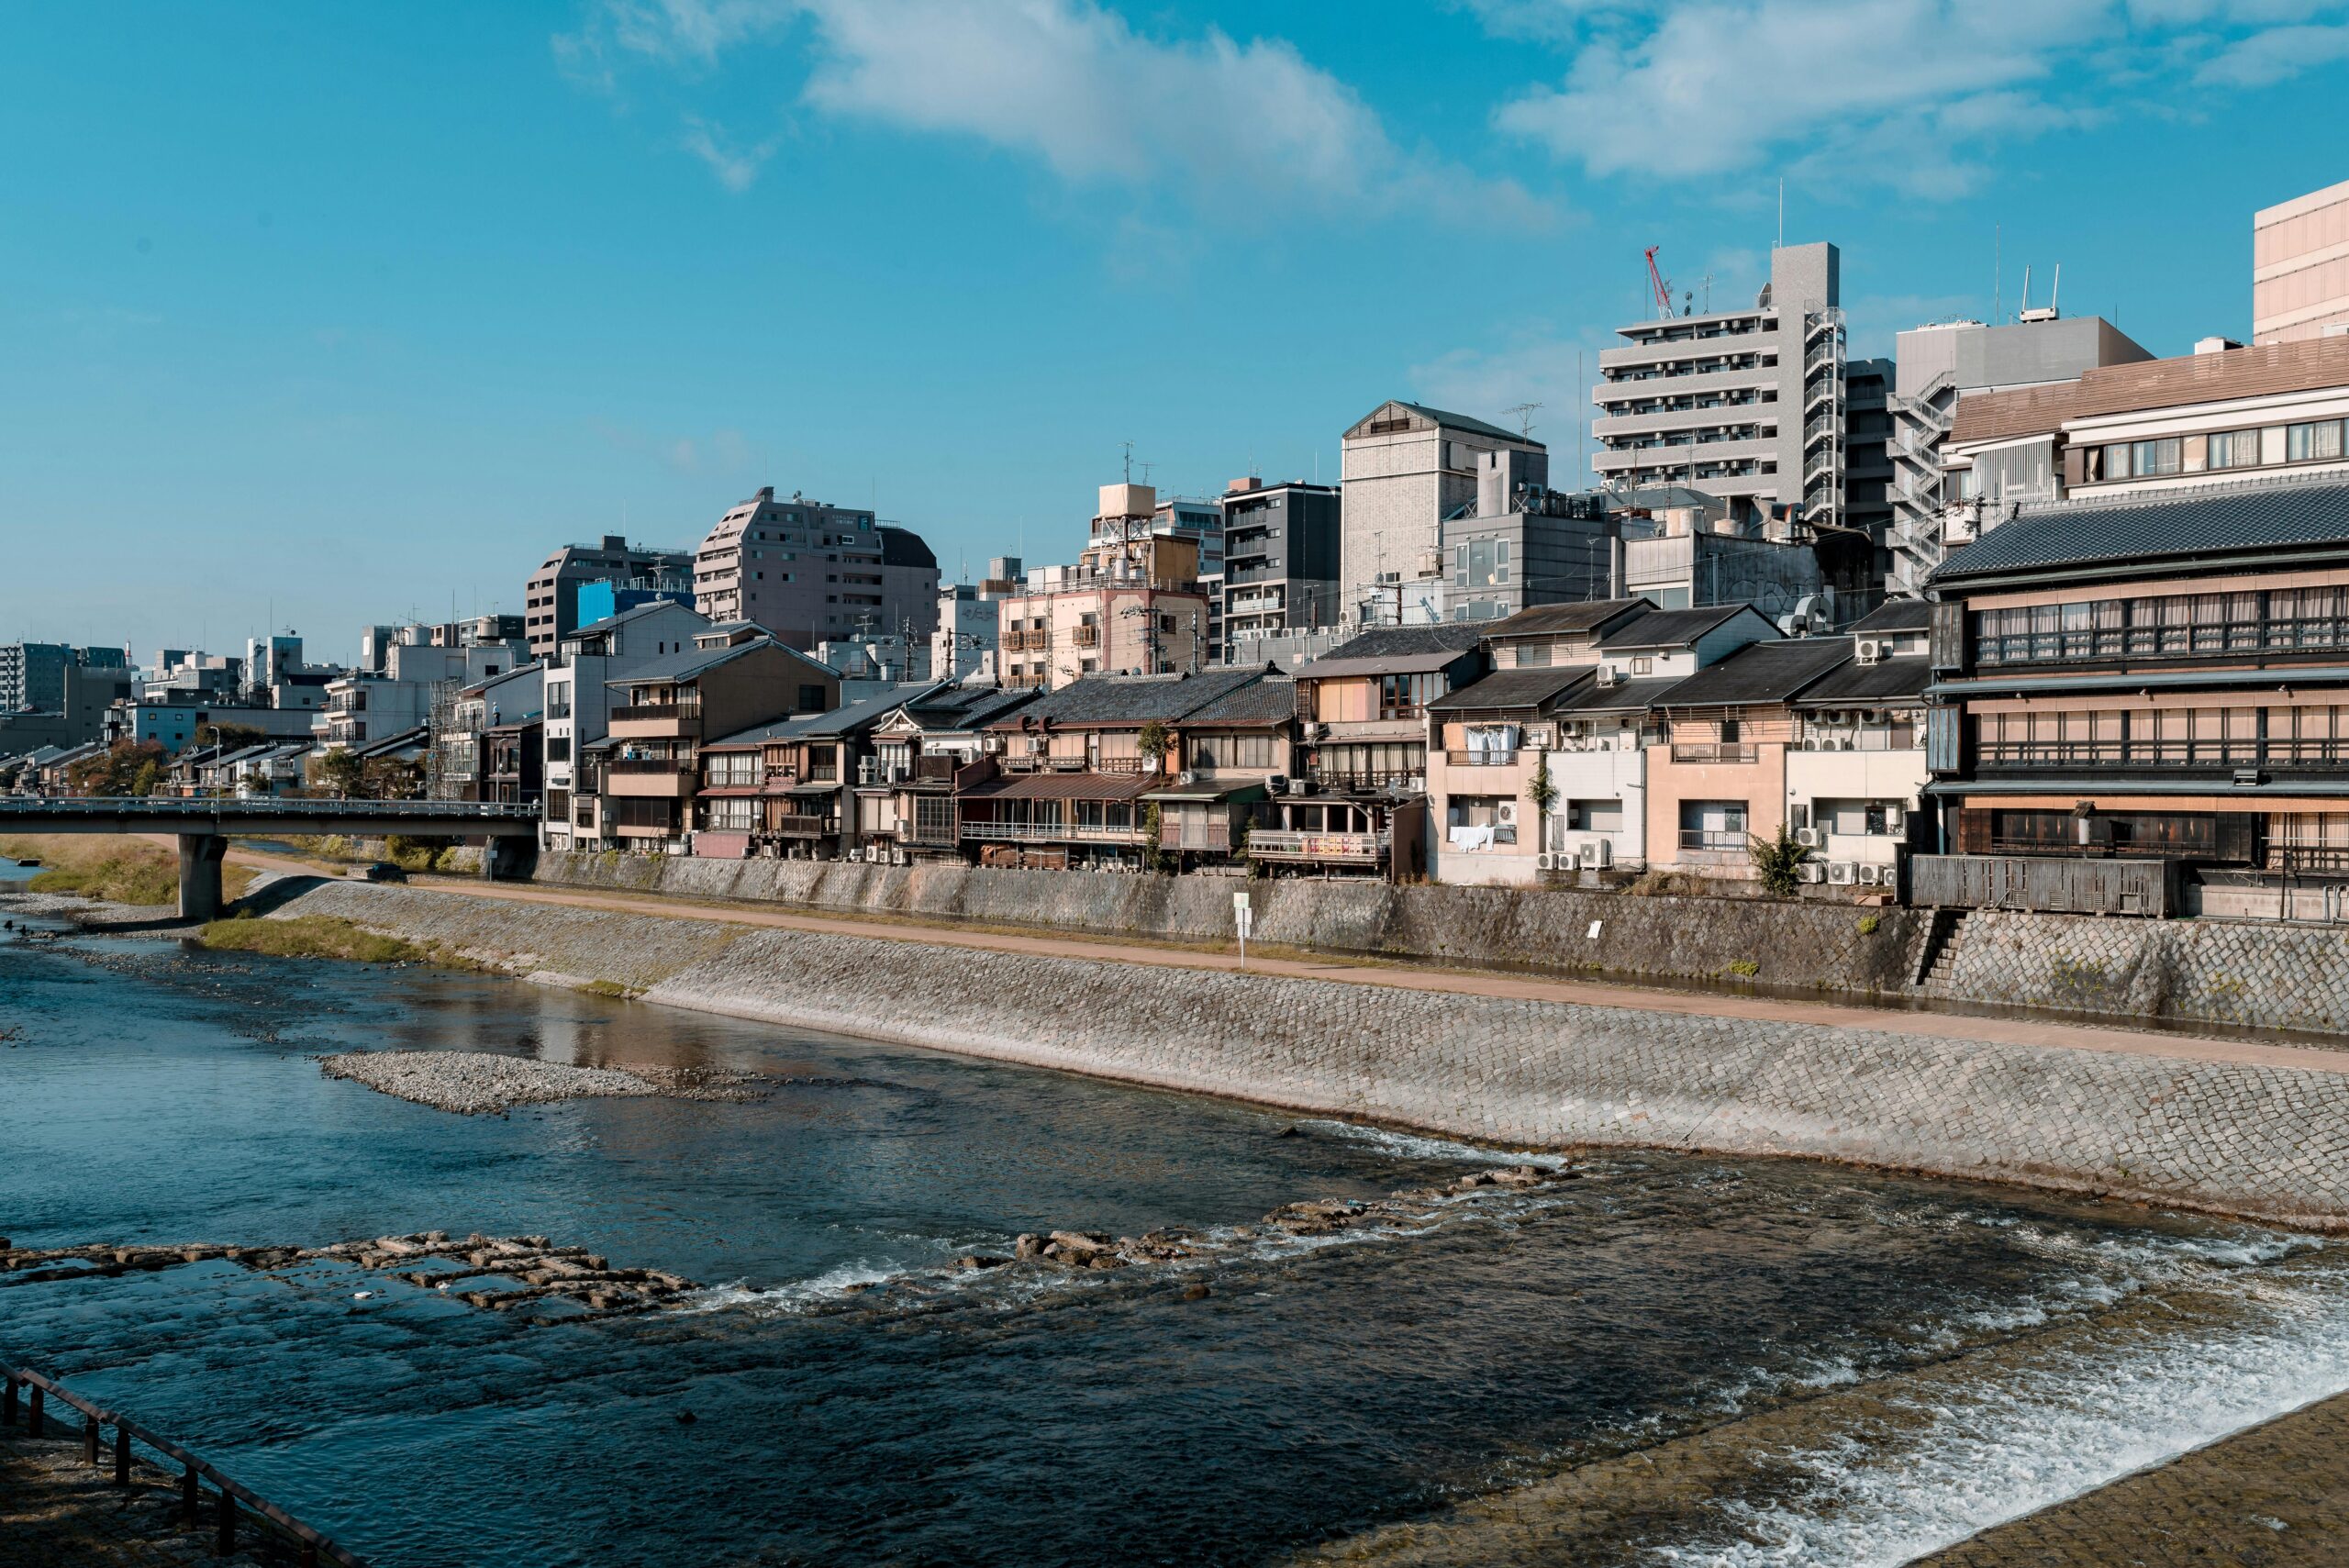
pixel 503 858
pixel 200 858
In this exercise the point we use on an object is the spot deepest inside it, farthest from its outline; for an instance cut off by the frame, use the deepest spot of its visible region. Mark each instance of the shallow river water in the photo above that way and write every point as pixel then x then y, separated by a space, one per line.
pixel 1673 1361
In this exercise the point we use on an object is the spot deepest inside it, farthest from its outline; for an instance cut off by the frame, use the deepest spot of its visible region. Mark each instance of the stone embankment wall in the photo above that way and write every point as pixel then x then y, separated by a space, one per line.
pixel 2258 1141
pixel 1803 946
pixel 2258 975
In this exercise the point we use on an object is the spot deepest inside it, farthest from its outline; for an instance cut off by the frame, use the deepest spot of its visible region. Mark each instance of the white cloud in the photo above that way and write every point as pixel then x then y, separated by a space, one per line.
pixel 737 167
pixel 1903 92
pixel 2275 55
pixel 1536 367
pixel 1073 84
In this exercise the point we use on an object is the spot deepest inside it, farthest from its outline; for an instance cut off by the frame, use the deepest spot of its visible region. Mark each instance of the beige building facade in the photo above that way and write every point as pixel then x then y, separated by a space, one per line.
pixel 2299 267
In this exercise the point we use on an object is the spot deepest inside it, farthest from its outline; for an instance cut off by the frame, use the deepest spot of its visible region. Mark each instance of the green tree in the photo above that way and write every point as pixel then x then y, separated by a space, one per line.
pixel 1153 742
pixel 342 771
pixel 1540 789
pixel 127 767
pixel 228 735
pixel 1776 860
pixel 1153 857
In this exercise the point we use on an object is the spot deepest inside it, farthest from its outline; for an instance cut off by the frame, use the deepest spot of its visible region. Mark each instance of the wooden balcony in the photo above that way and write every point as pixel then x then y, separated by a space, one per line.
pixel 1345 849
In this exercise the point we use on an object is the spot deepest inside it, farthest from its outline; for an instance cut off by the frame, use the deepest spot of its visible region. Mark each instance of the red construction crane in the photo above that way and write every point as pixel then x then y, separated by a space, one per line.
pixel 1656 281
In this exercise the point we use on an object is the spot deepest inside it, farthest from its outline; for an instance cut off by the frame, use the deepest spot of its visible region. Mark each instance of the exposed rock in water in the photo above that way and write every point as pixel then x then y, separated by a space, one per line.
pixel 473 1082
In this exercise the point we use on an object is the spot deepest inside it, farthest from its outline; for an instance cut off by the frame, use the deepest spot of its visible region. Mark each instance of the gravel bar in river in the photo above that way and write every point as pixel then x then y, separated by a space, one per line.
pixel 474 1082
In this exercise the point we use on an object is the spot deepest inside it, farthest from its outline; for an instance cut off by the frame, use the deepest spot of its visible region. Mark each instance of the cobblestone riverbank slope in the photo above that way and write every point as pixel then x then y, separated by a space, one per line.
pixel 2235 1137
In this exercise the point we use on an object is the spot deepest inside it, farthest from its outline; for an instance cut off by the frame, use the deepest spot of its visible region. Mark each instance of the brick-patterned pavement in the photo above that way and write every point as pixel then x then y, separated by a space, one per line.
pixel 2275 1496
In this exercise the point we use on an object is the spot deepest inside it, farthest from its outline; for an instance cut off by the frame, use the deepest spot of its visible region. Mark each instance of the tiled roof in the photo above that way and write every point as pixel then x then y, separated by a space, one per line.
pixel 1132 699
pixel 1763 673
pixel 968 708
pixel 1450 638
pixel 1549 620
pixel 2127 530
pixel 1064 786
pixel 1512 689
pixel 687 663
pixel 1886 680
pixel 1268 701
pixel 1671 628
pixel 865 712
pixel 597 627
pixel 1451 421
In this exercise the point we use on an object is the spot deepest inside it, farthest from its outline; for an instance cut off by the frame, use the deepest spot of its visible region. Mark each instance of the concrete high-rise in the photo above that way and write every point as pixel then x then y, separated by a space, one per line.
pixel 551 598
pixel 1407 467
pixel 1939 363
pixel 1280 562
pixel 32 674
pixel 1750 404
pixel 2299 267
pixel 811 572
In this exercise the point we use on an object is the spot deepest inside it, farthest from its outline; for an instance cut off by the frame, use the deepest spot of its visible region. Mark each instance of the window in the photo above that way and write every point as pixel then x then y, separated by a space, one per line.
pixel 1594 816
pixel 2144 460
pixel 1713 825
pixel 1730 732
pixel 1529 654
pixel 2312 442
pixel 1473 821
pixel 1644 665
pixel 1213 751
pixel 2234 448
pixel 558 748
pixel 1404 696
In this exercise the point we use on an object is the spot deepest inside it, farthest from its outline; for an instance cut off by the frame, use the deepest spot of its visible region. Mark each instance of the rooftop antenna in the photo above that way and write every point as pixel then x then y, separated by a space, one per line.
pixel 1998 276
pixel 1524 412
pixel 1582 428
pixel 1130 460
pixel 1782 212
pixel 1708 281
pixel 2026 288
pixel 2055 292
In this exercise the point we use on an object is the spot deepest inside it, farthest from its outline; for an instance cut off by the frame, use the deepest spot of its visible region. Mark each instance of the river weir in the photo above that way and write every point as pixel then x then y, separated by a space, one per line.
pixel 1316 1340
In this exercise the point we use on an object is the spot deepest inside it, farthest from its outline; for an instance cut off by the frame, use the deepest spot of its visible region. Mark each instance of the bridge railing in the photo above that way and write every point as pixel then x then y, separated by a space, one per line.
pixel 227 809
pixel 231 1499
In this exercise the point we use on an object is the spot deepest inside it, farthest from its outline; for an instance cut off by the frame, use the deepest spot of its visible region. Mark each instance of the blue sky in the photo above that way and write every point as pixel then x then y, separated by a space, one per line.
pixel 337 313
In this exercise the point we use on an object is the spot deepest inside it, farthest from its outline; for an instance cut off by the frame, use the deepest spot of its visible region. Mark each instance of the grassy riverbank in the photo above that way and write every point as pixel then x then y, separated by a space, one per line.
pixel 313 936
pixel 112 868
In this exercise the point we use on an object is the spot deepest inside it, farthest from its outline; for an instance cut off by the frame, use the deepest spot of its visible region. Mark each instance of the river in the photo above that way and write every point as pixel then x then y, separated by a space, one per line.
pixel 1824 1366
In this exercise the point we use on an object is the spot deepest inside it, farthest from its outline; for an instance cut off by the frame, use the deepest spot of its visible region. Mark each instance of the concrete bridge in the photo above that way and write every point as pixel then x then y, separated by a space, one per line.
pixel 204 826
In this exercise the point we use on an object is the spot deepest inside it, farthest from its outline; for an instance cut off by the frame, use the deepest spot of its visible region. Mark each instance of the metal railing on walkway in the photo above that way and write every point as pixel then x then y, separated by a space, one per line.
pixel 232 1502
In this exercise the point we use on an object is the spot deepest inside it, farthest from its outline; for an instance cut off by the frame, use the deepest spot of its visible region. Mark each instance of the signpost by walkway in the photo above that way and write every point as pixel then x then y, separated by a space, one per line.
pixel 1242 917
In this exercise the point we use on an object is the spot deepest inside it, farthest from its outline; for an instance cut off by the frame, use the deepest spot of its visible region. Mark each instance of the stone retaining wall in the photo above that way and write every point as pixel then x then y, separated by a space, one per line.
pixel 2262 1141
pixel 1800 946
pixel 2254 974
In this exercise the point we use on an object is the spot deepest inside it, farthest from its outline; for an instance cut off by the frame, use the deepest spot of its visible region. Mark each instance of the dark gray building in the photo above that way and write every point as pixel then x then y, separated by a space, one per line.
pixel 1281 547
pixel 551 598
pixel 32 674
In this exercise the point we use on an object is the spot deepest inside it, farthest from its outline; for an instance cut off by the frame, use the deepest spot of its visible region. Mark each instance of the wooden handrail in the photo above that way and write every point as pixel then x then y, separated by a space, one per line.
pixel 315 1547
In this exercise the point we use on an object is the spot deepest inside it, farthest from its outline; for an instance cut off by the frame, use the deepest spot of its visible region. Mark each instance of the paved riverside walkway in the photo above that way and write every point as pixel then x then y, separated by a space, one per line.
pixel 1416 976
pixel 2273 1497
pixel 55 1510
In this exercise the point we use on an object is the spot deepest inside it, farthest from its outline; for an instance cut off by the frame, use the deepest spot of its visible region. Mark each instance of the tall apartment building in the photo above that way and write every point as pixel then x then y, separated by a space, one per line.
pixel 968 642
pixel 579 700
pixel 2299 267
pixel 1281 547
pixel 809 571
pixel 1942 363
pixel 32 674
pixel 1407 467
pixel 1753 405
pixel 1131 605
pixel 551 598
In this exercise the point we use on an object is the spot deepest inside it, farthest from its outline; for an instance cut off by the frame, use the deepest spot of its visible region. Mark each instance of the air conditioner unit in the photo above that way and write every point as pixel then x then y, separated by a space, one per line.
pixel 1548 861
pixel 1039 746
pixel 857 855
pixel 1276 783
pixel 1313 731
pixel 899 857
pixel 1609 675
pixel 1869 650
pixel 1807 837
pixel 1844 873
pixel 1598 853
pixel 1868 877
pixel 1505 813
pixel 1185 779
pixel 992 745
pixel 865 771
pixel 1300 786
pixel 1811 870
pixel 1895 820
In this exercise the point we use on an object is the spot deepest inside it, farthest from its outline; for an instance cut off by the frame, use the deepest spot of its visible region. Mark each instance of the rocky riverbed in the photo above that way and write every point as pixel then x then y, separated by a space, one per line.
pixel 475 1083
pixel 534 1267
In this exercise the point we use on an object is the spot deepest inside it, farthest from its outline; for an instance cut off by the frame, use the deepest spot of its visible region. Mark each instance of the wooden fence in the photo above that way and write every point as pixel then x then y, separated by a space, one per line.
pixel 2051 883
pixel 232 1502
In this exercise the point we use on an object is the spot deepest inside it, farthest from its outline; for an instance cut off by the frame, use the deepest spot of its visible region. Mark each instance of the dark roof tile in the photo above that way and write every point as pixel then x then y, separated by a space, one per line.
pixel 1763 673
pixel 2268 515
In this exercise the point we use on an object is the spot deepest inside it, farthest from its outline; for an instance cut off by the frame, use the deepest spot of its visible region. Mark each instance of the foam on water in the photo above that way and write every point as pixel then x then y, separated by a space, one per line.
pixel 1419 1146
pixel 2035 1436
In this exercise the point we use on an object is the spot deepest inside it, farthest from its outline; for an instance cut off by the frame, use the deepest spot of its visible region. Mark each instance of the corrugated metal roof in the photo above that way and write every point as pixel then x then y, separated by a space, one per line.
pixel 1549 620
pixel 1886 680
pixel 1512 689
pixel 1624 696
pixel 687 663
pixel 1896 615
pixel 2126 531
pixel 1763 673
pixel 1674 628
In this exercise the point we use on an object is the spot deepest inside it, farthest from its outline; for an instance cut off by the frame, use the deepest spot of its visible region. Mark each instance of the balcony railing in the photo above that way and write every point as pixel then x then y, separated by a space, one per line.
pixel 1086 635
pixel 1715 752
pixel 801 827
pixel 2209 639
pixel 1270 843
pixel 1488 757
pixel 646 765
pixel 1027 831
pixel 1414 779
pixel 1713 838
pixel 687 710
pixel 2278 756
